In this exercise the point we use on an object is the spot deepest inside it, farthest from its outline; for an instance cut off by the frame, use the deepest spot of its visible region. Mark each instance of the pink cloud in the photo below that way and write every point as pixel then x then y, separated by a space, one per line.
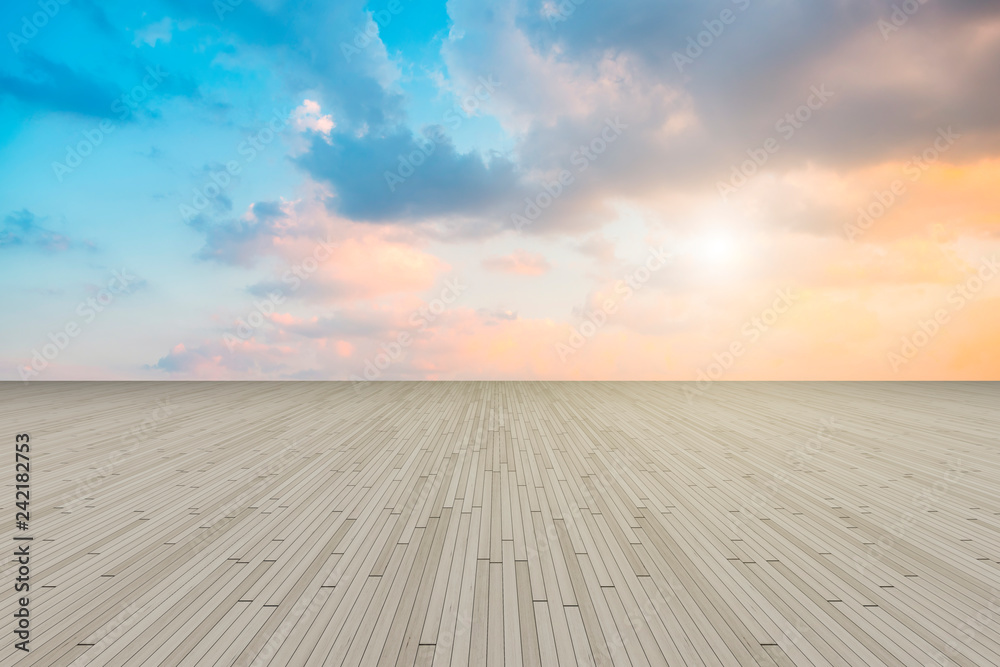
pixel 323 258
pixel 372 265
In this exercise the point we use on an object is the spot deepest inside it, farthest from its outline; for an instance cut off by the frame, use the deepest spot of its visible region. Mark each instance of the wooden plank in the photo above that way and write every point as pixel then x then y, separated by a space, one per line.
pixel 511 523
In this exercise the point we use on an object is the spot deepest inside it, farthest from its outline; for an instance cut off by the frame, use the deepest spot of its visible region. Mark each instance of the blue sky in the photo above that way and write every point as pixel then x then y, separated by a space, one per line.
pixel 208 148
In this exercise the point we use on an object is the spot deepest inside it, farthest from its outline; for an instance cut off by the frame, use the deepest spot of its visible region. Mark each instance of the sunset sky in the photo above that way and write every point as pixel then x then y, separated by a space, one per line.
pixel 500 189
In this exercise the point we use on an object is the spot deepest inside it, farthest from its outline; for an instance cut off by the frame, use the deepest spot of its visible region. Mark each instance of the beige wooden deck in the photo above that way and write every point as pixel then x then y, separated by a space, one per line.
pixel 490 523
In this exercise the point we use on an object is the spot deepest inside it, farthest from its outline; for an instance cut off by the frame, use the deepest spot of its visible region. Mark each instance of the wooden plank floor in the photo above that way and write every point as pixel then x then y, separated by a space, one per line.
pixel 513 523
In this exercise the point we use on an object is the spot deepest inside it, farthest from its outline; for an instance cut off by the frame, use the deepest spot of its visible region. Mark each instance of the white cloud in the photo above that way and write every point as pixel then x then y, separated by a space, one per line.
pixel 161 31
pixel 309 116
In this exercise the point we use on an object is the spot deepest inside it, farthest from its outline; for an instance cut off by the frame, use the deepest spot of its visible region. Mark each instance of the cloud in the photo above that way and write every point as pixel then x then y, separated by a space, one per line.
pixel 844 317
pixel 890 96
pixel 244 240
pixel 350 324
pixel 21 229
pixel 387 204
pixel 597 246
pixel 310 41
pixel 351 265
pixel 309 116
pixel 52 85
pixel 214 361
pixel 160 31
pixel 519 262
pixel 494 317
pixel 393 176
pixel 317 257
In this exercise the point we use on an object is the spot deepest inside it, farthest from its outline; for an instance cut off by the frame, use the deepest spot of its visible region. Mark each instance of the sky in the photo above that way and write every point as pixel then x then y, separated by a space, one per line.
pixel 500 189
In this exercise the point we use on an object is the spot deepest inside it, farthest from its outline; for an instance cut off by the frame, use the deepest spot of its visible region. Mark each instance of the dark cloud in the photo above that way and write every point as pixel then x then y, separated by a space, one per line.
pixel 242 241
pixel 52 85
pixel 763 64
pixel 891 93
pixel 395 176
pixel 306 40
pixel 315 43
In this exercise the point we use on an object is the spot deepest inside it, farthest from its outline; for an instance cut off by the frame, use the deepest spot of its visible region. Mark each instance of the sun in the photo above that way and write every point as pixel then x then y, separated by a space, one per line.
pixel 716 248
